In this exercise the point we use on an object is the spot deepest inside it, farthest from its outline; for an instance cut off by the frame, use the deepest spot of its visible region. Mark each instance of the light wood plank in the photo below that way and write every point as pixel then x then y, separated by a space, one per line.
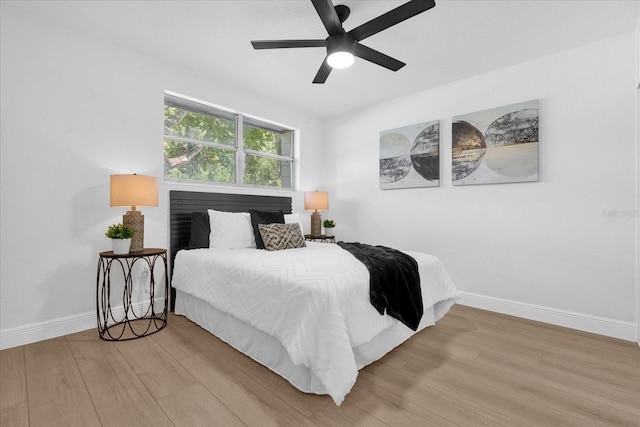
pixel 184 342
pixel 160 373
pixel 453 379
pixel 249 400
pixel 611 374
pixel 589 390
pixel 345 415
pixel 429 396
pixel 487 340
pixel 15 416
pixel 87 345
pixel 396 411
pixel 432 341
pixel 13 387
pixel 608 348
pixel 473 368
pixel 196 406
pixel 55 387
pixel 522 395
pixel 118 394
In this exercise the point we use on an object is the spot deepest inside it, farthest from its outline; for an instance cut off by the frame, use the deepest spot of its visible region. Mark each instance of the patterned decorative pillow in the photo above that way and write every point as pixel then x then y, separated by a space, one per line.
pixel 281 236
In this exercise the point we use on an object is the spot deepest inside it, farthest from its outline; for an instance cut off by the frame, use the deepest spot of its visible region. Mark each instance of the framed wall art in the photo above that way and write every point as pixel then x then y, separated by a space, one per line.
pixel 410 156
pixel 496 146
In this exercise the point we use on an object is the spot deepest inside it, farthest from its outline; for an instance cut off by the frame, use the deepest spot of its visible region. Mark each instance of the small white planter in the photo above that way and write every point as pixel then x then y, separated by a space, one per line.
pixel 120 246
pixel 328 231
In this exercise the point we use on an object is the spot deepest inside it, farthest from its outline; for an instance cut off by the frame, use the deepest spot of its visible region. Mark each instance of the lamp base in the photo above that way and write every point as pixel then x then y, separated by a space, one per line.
pixel 316 224
pixel 135 221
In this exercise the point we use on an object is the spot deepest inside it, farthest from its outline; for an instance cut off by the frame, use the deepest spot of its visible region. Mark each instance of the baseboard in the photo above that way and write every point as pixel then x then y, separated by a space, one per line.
pixel 612 328
pixel 13 337
pixel 21 335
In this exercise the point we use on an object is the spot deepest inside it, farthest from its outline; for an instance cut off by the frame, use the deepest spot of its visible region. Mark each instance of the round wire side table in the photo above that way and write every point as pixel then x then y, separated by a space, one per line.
pixel 144 305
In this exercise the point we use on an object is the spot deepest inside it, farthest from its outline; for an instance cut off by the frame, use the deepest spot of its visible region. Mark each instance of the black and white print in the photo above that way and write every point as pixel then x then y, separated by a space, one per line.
pixel 410 156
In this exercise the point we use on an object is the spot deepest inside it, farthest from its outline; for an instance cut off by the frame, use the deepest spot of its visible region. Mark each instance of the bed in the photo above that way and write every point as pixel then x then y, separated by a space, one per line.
pixel 303 312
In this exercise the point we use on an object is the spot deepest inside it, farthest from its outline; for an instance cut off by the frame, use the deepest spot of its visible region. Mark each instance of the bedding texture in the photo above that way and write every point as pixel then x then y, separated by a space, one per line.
pixel 314 301
pixel 394 281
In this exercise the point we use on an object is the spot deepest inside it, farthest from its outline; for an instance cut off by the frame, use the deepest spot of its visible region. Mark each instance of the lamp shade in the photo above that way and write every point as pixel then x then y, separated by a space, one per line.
pixel 316 200
pixel 134 190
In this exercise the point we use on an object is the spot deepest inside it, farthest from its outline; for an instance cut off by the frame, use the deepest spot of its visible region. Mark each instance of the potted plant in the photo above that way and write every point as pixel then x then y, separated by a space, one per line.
pixel 329 225
pixel 120 238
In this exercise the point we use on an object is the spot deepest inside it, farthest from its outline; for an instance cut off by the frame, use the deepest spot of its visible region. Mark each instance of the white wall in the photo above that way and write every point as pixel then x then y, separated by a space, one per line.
pixel 637 54
pixel 74 111
pixel 563 247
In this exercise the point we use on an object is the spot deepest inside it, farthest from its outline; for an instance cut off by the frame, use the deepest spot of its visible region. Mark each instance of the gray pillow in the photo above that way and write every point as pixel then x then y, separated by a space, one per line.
pixel 200 230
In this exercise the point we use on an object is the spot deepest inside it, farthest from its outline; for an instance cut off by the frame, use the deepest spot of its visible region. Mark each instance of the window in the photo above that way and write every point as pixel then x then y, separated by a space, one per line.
pixel 207 144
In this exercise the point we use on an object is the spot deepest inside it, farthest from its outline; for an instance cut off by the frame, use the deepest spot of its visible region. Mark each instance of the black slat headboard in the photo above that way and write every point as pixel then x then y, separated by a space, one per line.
pixel 183 203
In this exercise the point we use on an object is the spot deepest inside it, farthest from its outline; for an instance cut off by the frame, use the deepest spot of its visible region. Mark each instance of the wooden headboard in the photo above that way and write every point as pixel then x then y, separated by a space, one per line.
pixel 183 203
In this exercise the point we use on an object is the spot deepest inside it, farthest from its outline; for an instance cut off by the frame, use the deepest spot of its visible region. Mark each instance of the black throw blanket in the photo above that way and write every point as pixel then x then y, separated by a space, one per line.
pixel 394 283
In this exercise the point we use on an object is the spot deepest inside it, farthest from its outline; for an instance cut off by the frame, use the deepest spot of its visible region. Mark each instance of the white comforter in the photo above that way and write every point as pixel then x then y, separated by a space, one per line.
pixel 314 300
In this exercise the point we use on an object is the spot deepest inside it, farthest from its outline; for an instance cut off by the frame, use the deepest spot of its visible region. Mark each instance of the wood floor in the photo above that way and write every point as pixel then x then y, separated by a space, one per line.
pixel 473 368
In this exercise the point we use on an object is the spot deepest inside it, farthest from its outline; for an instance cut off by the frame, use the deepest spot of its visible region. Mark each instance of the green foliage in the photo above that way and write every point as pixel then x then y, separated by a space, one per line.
pixel 262 171
pixel 201 127
pixel 203 164
pixel 119 231
pixel 185 160
pixel 193 161
pixel 329 223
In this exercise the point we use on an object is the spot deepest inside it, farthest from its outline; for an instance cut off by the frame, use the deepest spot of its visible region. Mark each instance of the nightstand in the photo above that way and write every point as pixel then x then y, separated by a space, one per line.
pixel 321 238
pixel 143 306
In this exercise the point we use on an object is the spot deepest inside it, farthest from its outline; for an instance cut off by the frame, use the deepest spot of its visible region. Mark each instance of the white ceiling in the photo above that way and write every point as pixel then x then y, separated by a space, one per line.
pixel 455 40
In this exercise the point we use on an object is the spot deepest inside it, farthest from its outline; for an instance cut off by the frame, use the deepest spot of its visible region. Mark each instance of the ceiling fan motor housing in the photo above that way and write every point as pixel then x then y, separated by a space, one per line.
pixel 340 43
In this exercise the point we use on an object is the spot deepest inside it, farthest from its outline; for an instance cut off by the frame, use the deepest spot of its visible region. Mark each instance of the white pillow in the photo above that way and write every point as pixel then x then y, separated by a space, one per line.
pixel 293 218
pixel 230 230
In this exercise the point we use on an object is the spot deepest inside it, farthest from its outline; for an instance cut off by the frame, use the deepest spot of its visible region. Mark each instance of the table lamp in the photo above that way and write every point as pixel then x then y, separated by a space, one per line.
pixel 316 201
pixel 134 190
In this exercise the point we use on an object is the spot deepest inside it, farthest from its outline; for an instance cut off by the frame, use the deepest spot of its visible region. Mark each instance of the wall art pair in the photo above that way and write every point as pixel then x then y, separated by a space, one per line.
pixel 493 146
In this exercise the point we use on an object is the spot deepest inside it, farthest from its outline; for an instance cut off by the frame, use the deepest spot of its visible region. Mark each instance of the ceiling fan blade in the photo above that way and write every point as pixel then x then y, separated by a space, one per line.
pixel 283 44
pixel 391 18
pixel 323 73
pixel 376 57
pixel 328 15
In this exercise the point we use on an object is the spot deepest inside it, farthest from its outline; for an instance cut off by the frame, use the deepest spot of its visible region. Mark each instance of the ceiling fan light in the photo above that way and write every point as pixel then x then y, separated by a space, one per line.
pixel 340 59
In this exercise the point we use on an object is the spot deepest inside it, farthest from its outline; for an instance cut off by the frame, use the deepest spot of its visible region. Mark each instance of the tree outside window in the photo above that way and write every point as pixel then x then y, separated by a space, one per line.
pixel 204 144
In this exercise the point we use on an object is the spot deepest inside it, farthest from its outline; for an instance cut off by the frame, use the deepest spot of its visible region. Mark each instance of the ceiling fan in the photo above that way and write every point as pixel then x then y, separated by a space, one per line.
pixel 342 46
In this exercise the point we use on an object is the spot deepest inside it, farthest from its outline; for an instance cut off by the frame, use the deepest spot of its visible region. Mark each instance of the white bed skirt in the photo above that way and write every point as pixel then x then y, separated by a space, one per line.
pixel 268 351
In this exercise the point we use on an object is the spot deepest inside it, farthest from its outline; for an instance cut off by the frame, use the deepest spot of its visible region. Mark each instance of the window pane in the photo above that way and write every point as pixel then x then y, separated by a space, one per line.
pixel 267 172
pixel 199 125
pixel 267 140
pixel 183 160
pixel 201 144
